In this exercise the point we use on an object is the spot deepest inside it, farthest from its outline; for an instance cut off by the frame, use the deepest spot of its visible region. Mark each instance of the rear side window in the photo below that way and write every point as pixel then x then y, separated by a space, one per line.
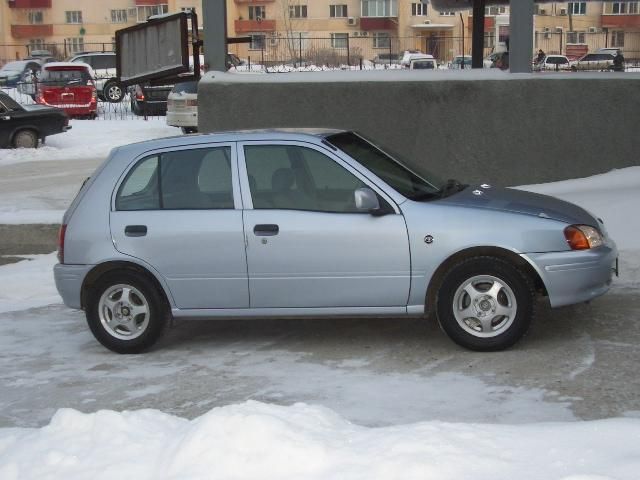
pixel 182 180
pixel 103 62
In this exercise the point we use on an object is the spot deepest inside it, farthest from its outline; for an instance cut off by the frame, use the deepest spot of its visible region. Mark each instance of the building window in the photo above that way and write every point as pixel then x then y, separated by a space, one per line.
pixel 447 14
pixel 381 40
pixel 118 16
pixel 298 11
pixel 337 11
pixel 148 10
pixel 74 16
pixel 75 45
pixel 187 9
pixel 257 41
pixel 490 40
pixel 418 9
pixel 36 44
pixel 379 8
pixel 493 11
pixel 578 8
pixel 36 17
pixel 339 40
pixel 575 37
pixel 617 38
pixel 257 12
pixel 622 8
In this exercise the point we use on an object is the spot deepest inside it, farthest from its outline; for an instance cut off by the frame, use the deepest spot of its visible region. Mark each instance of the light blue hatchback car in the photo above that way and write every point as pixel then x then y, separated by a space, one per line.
pixel 314 223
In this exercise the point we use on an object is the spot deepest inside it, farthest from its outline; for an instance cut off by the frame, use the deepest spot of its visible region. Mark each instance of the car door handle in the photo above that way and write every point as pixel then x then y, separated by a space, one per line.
pixel 135 230
pixel 266 230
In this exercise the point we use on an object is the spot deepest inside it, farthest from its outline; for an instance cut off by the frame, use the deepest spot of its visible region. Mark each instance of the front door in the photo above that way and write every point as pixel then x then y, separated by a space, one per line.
pixel 307 244
pixel 176 211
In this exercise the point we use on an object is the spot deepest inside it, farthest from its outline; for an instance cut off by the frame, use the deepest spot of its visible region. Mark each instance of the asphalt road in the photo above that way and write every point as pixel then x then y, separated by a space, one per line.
pixel 578 362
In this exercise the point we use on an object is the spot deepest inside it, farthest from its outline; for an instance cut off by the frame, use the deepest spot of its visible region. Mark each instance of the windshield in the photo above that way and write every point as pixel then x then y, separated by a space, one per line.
pixel 388 166
pixel 14 67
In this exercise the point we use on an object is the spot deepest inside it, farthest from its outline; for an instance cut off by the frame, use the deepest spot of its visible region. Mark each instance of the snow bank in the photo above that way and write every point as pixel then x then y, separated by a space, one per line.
pixel 91 139
pixel 259 441
pixel 28 283
pixel 615 198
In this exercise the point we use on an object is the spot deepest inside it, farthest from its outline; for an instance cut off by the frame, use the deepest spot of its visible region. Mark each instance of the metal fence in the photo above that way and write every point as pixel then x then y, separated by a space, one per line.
pixel 59 51
pixel 576 44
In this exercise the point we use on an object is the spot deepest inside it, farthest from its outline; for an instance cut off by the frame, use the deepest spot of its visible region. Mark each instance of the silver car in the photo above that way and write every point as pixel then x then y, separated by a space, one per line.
pixel 314 223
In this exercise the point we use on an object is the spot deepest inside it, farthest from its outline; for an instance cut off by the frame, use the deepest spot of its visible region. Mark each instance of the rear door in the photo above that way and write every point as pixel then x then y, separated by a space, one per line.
pixel 180 212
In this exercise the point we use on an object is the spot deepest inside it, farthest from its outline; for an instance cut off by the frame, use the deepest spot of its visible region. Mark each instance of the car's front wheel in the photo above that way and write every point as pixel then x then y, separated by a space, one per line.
pixel 125 312
pixel 485 303
pixel 112 92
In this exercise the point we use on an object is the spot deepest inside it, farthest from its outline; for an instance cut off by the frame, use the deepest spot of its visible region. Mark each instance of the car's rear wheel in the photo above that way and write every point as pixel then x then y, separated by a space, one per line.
pixel 25 139
pixel 112 92
pixel 188 130
pixel 485 304
pixel 125 312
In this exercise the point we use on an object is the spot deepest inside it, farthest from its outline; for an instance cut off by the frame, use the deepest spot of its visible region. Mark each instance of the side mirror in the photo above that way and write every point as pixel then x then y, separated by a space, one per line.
pixel 366 200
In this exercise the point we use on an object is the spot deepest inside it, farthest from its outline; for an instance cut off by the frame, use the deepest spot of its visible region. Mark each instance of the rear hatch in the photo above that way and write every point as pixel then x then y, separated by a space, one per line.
pixel 66 85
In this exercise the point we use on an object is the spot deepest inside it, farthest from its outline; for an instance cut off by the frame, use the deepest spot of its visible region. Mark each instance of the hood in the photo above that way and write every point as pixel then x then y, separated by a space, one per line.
pixel 520 201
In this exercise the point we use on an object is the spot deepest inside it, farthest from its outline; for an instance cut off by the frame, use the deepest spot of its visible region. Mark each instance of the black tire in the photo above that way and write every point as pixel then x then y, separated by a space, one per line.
pixel 188 130
pixel 143 292
pixel 112 91
pixel 136 108
pixel 25 139
pixel 498 332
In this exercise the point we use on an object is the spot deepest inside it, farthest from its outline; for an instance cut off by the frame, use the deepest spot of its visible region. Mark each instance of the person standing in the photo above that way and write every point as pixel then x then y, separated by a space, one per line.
pixel 618 62
pixel 540 57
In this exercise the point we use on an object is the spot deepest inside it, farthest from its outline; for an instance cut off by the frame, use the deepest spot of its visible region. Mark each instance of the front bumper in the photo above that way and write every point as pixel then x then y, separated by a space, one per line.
pixel 69 280
pixel 575 276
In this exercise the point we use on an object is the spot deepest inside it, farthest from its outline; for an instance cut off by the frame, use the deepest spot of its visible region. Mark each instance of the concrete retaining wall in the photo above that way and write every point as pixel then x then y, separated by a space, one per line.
pixel 477 126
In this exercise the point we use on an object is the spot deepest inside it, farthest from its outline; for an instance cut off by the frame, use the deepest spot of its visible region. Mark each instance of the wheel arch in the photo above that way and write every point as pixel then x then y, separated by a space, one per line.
pixel 480 251
pixel 118 265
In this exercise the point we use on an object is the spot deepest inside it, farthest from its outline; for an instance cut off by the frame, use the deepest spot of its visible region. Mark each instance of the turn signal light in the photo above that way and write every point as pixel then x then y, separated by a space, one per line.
pixel 582 237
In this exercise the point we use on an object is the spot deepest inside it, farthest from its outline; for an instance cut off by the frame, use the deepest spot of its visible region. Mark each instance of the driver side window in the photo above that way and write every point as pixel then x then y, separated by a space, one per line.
pixel 291 177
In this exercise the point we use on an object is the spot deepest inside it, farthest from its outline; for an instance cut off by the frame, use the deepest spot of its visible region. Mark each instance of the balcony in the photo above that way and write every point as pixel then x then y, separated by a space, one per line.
pixel 378 23
pixel 29 3
pixel 252 2
pixel 31 31
pixel 621 21
pixel 246 26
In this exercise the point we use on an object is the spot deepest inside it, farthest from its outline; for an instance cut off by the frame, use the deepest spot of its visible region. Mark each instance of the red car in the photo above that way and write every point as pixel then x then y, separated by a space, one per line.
pixel 69 86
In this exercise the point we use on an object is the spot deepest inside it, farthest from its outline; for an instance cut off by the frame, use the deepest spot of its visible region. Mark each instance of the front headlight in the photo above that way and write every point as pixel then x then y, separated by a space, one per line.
pixel 583 237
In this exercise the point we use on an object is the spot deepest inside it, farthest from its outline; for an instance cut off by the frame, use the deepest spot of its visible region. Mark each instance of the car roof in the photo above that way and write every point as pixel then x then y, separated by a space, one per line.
pixel 81 54
pixel 277 134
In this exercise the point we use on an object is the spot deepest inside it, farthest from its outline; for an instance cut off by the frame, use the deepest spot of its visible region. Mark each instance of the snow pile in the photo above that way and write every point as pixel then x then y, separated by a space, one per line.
pixel 91 139
pixel 28 284
pixel 255 440
pixel 614 197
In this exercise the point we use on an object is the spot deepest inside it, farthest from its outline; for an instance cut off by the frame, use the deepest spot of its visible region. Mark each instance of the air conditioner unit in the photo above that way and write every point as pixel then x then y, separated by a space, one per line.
pixel 593 29
pixel 563 11
pixel 559 29
pixel 351 21
pixel 542 11
pixel 427 22
pixel 364 34
pixel 258 19
pixel 356 34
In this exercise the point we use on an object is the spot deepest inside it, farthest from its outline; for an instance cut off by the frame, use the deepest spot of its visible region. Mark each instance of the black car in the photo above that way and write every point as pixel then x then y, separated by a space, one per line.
pixel 21 126
pixel 149 99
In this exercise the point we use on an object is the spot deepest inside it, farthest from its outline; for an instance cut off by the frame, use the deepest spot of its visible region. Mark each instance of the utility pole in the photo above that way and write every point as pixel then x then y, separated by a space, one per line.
pixel 214 22
pixel 477 40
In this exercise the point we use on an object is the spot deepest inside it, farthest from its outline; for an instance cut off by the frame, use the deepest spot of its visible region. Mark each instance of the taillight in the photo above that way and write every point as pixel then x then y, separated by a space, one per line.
pixel 61 234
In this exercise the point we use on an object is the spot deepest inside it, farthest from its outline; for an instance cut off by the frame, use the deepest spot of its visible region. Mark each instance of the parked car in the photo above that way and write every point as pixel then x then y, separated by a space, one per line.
pixel 423 64
pixel 314 223
pixel 13 73
pixel 149 99
pixel 459 60
pixel 599 62
pixel 69 86
pixel 553 63
pixel 413 55
pixel 21 126
pixel 104 69
pixel 387 59
pixel 182 107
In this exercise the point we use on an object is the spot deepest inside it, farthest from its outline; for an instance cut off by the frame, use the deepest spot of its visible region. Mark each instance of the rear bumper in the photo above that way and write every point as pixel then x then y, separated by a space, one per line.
pixel 69 280
pixel 575 276
pixel 182 119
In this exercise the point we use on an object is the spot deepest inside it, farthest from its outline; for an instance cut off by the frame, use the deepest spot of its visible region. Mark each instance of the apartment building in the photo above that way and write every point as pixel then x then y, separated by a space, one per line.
pixel 368 26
